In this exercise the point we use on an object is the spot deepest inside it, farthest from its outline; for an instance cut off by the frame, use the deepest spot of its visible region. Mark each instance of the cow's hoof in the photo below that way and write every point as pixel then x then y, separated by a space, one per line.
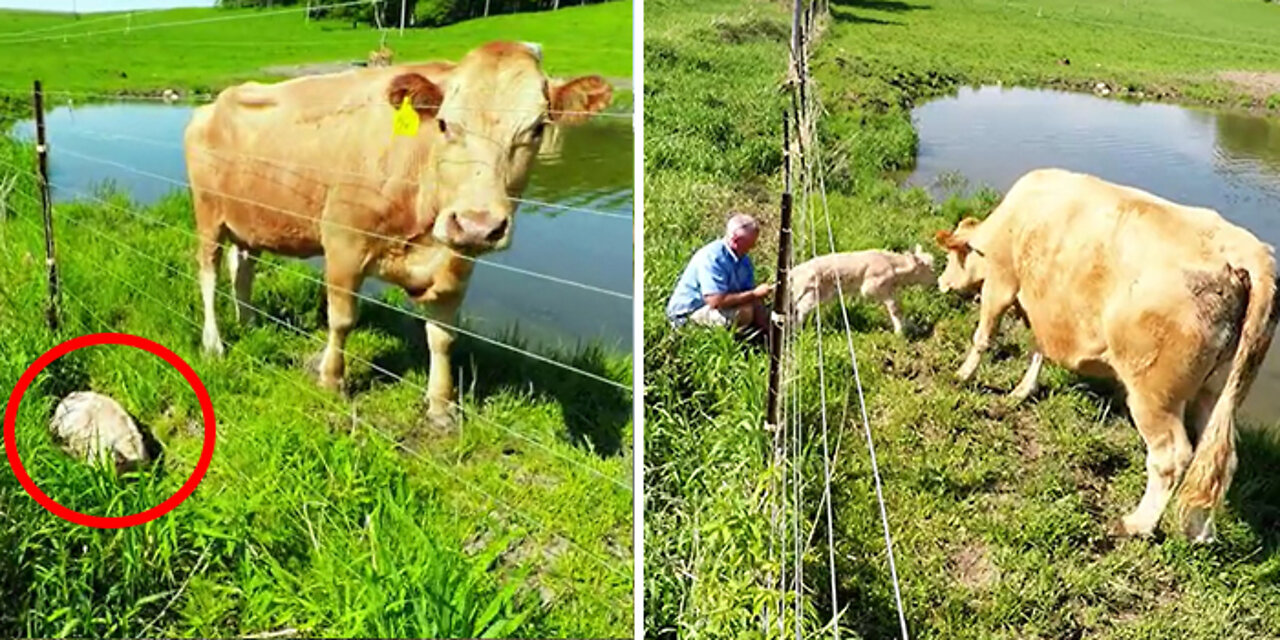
pixel 333 385
pixel 1116 528
pixel 1198 527
pixel 443 419
pixel 213 349
pixel 1020 395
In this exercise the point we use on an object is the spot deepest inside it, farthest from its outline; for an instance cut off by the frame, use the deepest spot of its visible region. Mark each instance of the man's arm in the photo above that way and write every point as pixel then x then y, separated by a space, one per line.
pixel 718 300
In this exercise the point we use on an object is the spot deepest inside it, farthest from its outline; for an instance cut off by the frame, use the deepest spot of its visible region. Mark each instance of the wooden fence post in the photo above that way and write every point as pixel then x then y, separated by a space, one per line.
pixel 781 302
pixel 42 163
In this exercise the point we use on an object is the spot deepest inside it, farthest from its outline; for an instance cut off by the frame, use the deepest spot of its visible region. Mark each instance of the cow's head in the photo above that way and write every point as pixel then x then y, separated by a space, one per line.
pixel 484 123
pixel 966 266
pixel 921 267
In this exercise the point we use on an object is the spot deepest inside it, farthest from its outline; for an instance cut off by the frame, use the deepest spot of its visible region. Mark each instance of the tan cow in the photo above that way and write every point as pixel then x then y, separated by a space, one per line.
pixel 1173 301
pixel 314 166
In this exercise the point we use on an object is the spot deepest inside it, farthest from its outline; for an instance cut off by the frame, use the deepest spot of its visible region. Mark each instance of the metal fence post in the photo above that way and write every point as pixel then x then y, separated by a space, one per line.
pixel 46 203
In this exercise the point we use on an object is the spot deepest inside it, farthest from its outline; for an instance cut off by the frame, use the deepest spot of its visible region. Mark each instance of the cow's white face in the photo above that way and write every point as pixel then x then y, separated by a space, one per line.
pixel 966 267
pixel 484 126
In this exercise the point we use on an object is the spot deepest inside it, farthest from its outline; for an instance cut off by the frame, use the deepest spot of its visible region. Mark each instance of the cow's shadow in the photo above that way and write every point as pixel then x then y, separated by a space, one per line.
pixel 1254 496
pixel 595 413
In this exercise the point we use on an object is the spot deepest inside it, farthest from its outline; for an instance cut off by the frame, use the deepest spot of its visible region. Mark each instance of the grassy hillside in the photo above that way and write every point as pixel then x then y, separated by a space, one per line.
pixel 222 46
pixel 999 513
pixel 320 515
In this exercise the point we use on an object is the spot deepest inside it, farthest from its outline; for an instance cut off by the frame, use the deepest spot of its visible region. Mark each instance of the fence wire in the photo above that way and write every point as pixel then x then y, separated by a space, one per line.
pixel 332 402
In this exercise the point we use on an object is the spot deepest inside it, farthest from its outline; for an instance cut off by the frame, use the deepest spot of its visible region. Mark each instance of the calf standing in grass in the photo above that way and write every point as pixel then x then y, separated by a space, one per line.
pixel 874 274
pixel 1173 301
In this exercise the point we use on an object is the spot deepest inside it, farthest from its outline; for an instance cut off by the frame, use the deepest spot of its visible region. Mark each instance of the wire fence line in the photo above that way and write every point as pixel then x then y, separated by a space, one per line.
pixel 75 23
pixel 281 268
pixel 175 23
pixel 206 98
pixel 382 370
pixel 344 227
pixel 109 137
pixel 472 334
pixel 789 455
pixel 862 406
pixel 408 312
pixel 372 428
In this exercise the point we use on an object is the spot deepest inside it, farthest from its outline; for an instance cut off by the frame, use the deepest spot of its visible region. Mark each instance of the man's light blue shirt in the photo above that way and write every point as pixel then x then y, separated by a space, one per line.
pixel 714 269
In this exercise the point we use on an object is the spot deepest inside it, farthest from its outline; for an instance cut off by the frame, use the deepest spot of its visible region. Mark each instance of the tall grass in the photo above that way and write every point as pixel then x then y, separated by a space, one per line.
pixel 326 515
pixel 999 512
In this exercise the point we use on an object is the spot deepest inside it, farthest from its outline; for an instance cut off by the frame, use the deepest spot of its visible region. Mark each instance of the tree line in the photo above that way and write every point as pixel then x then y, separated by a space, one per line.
pixel 418 13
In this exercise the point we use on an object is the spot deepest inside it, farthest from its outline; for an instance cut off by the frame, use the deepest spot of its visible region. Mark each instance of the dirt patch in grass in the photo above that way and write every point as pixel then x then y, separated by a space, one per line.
pixel 972 567
pixel 1259 84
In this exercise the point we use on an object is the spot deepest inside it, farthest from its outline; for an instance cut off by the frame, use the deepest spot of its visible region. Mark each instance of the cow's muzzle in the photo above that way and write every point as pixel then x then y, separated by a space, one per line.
pixel 476 229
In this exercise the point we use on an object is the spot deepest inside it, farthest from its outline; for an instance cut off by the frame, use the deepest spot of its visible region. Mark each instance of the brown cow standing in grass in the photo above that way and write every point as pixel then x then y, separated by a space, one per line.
pixel 1173 301
pixel 313 166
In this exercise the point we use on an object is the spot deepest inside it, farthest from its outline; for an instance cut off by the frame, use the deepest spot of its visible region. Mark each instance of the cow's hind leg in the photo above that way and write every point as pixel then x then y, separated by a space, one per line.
pixel 242 263
pixel 997 296
pixel 1168 454
pixel 208 253
pixel 1030 380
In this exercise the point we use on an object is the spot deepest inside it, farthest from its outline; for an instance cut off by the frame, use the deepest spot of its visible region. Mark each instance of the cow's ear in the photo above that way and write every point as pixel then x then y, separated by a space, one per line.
pixel 574 101
pixel 423 94
pixel 950 242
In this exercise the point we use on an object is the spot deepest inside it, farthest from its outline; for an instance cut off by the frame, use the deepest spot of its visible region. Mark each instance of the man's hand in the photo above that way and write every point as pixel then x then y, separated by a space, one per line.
pixel 718 300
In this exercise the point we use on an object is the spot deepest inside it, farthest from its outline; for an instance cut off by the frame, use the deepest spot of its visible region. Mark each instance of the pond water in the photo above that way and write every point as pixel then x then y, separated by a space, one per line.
pixel 591 169
pixel 1226 161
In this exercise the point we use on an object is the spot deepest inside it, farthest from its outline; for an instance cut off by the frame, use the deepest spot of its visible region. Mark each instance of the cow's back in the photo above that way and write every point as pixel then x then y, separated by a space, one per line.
pixel 1087 255
pixel 265 159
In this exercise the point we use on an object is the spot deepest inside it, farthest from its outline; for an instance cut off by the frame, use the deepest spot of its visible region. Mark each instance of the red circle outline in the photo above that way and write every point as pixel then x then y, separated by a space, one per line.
pixel 108 522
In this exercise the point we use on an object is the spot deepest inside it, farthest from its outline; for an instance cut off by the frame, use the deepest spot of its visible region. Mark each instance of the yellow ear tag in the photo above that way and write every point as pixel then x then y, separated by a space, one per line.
pixel 406 120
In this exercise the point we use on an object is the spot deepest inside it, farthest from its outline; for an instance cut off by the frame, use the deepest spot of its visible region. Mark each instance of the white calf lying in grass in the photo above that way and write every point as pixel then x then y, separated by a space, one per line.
pixel 874 274
pixel 93 427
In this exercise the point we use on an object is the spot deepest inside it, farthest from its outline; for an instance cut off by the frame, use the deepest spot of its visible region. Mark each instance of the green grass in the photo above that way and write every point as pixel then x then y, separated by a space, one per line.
pixel 209 56
pixel 999 513
pixel 327 515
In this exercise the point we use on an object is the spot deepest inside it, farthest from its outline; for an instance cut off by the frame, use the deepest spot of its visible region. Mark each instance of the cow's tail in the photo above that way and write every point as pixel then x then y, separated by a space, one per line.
pixel 1214 462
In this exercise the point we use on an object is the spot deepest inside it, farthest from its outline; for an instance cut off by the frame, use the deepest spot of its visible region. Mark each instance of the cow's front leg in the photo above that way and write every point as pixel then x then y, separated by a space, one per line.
pixel 209 253
pixel 341 286
pixel 996 298
pixel 442 410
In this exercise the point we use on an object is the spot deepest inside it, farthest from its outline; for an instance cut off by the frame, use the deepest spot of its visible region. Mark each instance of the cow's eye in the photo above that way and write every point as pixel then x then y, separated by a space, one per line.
pixel 540 129
pixel 444 128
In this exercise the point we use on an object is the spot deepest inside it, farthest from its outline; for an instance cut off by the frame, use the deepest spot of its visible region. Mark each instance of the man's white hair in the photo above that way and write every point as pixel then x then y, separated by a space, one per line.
pixel 740 224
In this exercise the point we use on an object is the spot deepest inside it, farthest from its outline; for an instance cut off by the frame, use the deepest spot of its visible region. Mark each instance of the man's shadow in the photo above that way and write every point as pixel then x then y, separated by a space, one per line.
pixel 595 412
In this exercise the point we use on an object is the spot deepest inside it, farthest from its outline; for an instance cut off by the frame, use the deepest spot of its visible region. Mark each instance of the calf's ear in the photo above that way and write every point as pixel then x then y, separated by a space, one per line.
pixel 576 100
pixel 423 94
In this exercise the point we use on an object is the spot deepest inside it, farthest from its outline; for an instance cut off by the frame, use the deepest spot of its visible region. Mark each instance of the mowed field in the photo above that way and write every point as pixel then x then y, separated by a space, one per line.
pixel 999 513
pixel 320 514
